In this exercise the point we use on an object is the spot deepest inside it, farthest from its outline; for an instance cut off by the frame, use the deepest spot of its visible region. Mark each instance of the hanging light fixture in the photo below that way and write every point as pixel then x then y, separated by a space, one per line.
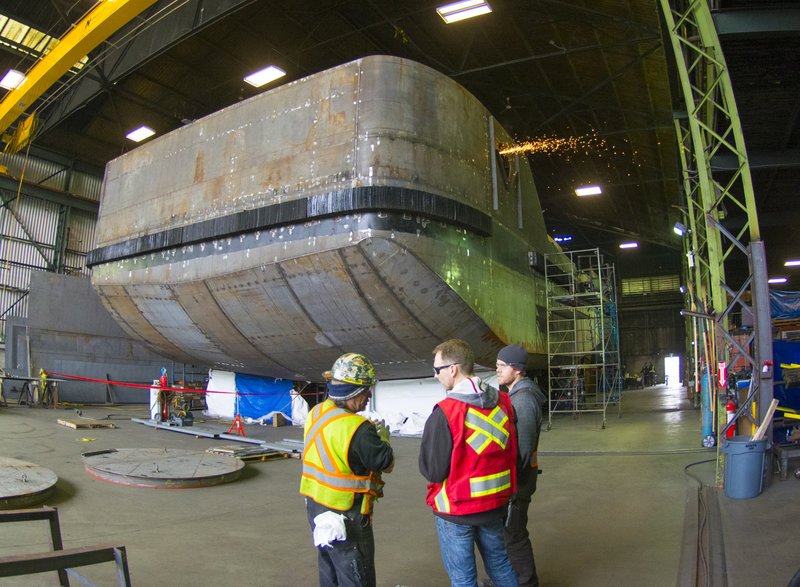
pixel 461 10
pixel 12 79
pixel 140 134
pixel 263 76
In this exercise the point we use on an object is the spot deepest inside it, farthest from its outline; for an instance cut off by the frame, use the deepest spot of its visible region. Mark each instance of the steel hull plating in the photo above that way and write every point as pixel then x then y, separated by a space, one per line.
pixel 353 210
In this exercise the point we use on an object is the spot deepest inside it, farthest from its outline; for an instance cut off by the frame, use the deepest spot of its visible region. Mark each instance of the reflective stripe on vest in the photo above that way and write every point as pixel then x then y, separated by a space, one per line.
pixel 535 459
pixel 480 486
pixel 486 429
pixel 329 474
pixel 442 503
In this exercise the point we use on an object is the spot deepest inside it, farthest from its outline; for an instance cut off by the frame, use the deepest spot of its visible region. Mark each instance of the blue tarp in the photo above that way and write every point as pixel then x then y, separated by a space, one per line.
pixel 786 352
pixel 784 305
pixel 258 396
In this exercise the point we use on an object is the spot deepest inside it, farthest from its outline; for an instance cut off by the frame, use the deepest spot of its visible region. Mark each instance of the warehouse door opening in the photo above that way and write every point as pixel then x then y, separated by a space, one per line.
pixel 672 371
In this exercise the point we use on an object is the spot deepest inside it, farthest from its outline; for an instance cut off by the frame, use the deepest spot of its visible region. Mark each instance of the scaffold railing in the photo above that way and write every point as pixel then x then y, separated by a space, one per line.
pixel 582 335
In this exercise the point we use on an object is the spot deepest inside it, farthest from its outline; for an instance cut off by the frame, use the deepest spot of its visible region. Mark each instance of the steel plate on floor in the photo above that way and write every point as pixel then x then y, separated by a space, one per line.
pixel 23 484
pixel 162 467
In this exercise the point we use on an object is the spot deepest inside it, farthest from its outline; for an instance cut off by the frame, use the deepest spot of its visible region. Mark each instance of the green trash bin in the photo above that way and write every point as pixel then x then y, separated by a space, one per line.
pixel 744 465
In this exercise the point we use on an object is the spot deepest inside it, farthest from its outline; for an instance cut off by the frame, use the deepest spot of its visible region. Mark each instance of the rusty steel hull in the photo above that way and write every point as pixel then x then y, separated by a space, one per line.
pixel 360 209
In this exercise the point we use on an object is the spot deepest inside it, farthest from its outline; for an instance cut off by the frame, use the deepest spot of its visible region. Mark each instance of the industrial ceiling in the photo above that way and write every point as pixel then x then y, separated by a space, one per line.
pixel 589 83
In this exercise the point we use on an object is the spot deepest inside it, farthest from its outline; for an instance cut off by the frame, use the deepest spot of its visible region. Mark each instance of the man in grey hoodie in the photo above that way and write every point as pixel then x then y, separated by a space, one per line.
pixel 527 399
pixel 468 454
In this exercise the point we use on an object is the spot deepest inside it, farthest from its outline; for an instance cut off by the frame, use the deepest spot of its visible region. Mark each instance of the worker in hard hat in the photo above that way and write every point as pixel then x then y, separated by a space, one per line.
pixel 467 454
pixel 527 399
pixel 343 459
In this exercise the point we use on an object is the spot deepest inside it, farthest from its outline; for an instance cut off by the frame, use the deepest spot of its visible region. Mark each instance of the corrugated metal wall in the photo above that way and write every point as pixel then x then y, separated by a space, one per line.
pixel 53 175
pixel 29 225
pixel 80 240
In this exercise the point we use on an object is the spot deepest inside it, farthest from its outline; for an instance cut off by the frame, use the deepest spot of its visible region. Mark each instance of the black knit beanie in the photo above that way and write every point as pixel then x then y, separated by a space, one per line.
pixel 514 355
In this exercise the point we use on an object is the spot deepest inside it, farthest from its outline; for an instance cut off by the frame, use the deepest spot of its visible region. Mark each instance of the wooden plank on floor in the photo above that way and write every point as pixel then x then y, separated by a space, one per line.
pixel 75 424
pixel 249 453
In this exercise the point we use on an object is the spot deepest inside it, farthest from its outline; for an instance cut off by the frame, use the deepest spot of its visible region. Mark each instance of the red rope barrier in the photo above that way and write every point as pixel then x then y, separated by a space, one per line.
pixel 145 386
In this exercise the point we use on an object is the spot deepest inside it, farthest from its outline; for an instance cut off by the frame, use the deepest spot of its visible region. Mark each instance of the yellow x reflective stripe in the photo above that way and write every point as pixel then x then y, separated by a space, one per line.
pixel 480 486
pixel 486 429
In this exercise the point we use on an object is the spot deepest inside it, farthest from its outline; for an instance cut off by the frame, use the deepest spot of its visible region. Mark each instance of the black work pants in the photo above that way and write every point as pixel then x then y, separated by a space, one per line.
pixel 517 538
pixel 346 563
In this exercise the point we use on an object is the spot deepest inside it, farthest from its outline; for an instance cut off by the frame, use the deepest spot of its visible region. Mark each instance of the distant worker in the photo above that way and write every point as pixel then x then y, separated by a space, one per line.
pixel 44 388
pixel 343 459
pixel 467 455
pixel 164 396
pixel 527 399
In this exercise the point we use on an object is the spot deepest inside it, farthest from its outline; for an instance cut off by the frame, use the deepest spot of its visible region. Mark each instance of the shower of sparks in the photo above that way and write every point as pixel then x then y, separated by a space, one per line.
pixel 576 150
pixel 558 145
pixel 568 148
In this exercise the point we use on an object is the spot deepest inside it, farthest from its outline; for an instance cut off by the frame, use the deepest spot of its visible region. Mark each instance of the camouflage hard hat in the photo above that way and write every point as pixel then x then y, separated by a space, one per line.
pixel 352 368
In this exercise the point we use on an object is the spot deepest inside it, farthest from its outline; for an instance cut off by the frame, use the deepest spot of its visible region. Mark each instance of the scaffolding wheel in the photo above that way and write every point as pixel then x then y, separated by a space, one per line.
pixel 549 425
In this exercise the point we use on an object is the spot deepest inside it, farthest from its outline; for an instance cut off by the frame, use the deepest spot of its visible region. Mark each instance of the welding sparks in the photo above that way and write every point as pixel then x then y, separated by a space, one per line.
pixel 557 145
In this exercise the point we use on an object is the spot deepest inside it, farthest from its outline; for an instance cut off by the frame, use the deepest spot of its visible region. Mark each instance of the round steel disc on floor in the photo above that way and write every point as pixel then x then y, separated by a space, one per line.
pixel 162 467
pixel 23 484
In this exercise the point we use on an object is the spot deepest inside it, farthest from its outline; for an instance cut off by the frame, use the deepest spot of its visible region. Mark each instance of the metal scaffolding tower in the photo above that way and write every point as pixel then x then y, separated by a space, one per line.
pixel 582 335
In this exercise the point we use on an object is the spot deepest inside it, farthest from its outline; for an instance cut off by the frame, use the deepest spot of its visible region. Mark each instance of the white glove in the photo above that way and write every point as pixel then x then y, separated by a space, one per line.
pixel 328 526
pixel 383 431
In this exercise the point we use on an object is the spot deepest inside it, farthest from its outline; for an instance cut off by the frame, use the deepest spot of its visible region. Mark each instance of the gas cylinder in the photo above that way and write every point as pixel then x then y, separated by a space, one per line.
pixel 730 408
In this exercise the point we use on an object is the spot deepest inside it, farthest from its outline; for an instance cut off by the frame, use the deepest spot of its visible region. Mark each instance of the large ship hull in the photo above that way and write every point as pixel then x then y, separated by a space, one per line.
pixel 360 209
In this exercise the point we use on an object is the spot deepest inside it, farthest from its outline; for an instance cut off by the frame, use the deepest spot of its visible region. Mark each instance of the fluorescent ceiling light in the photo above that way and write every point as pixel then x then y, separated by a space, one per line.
pixel 264 76
pixel 140 133
pixel 461 10
pixel 628 245
pixel 591 190
pixel 792 263
pixel 777 280
pixel 562 239
pixel 679 229
pixel 12 79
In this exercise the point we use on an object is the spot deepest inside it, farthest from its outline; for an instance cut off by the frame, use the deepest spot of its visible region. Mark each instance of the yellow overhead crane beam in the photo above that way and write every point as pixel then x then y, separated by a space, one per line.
pixel 100 22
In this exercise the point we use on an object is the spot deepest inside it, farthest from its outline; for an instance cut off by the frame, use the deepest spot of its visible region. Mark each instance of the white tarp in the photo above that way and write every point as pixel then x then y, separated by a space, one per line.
pixel 221 405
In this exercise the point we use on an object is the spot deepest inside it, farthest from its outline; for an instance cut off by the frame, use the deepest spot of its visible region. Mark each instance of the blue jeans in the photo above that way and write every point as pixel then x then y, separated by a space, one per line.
pixel 457 542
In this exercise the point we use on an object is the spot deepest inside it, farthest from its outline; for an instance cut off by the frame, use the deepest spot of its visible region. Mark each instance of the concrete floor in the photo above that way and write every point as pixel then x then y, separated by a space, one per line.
pixel 611 508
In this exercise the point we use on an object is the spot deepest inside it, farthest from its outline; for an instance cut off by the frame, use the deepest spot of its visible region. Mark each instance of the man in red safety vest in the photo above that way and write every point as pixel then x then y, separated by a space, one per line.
pixel 343 459
pixel 468 454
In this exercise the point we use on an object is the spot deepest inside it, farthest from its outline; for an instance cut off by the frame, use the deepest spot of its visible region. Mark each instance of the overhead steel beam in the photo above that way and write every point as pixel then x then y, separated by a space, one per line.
pixel 596 48
pixel 757 23
pixel 67 162
pixel 31 189
pixel 99 23
pixel 609 79
pixel 127 55
pixel 758 160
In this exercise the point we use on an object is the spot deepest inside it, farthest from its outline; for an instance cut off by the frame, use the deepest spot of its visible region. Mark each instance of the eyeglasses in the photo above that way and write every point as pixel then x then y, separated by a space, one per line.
pixel 440 367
